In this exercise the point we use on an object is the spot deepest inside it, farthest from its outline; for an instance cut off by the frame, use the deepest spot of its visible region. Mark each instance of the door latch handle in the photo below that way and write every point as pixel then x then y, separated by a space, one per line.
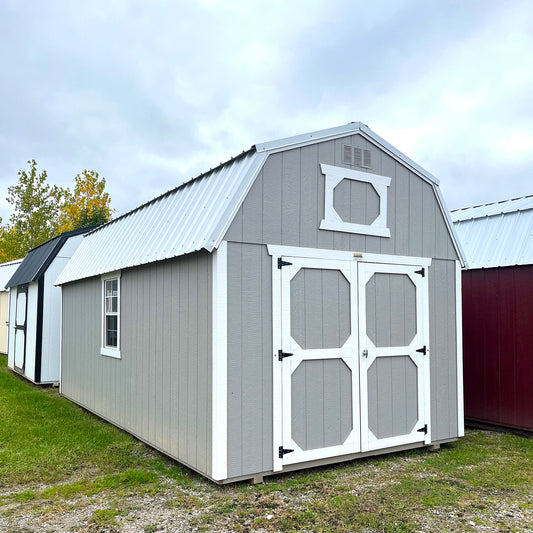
pixel 365 353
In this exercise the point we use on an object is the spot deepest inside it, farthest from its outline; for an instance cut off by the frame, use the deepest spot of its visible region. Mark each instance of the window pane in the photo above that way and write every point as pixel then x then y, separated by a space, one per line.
pixel 111 340
pixel 111 331
pixel 111 305
pixel 111 287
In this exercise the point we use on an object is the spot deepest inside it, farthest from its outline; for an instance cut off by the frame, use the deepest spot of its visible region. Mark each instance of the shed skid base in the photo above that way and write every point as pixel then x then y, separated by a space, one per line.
pixel 258 477
pixel 21 375
pixel 433 447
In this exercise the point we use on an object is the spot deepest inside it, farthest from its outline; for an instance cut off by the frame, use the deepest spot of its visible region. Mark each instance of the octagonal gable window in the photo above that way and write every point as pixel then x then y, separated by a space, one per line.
pixel 355 201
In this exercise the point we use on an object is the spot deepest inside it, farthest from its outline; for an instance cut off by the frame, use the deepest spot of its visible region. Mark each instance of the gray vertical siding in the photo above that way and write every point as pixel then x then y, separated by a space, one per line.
pixel 443 349
pixel 250 355
pixel 390 309
pixel 321 403
pixel 392 396
pixel 356 202
pixel 320 308
pixel 161 388
pixel 286 204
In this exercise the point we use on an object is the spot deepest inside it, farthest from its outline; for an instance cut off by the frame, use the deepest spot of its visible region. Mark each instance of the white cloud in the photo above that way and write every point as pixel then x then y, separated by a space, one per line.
pixel 149 94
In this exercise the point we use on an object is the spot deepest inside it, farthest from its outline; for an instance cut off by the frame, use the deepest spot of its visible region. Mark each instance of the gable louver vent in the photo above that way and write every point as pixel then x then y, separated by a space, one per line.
pixel 367 162
pixel 357 157
pixel 347 154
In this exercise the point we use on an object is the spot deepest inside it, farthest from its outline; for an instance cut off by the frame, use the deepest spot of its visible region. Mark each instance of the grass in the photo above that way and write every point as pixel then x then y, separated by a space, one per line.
pixel 45 438
pixel 56 458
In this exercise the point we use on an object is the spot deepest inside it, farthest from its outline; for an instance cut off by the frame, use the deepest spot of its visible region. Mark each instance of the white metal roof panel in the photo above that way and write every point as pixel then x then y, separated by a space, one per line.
pixel 191 217
pixel 495 208
pixel 502 239
pixel 7 270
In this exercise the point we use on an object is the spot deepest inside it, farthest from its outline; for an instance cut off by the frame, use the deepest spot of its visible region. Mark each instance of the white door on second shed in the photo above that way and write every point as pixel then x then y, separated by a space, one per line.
pixel 20 327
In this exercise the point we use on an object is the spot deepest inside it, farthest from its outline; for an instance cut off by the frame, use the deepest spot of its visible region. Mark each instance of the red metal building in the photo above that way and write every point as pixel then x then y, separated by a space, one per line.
pixel 498 312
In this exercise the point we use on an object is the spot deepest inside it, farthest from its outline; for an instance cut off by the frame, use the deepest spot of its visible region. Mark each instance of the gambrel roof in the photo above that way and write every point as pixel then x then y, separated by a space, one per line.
pixel 497 234
pixel 196 214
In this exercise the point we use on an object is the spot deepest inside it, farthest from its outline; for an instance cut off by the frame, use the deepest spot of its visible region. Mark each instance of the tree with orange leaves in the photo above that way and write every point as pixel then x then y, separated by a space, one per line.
pixel 89 205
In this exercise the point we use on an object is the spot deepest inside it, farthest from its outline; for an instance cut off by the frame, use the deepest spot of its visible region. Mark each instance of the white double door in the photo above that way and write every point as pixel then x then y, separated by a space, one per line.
pixel 352 370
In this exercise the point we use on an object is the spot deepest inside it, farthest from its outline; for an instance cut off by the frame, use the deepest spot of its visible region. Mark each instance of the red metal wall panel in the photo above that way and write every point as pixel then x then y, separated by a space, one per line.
pixel 498 345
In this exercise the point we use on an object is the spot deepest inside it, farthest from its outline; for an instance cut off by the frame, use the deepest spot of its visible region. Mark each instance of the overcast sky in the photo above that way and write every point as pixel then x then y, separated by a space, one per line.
pixel 151 93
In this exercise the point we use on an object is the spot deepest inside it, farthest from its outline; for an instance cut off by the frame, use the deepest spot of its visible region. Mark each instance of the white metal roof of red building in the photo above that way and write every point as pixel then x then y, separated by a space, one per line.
pixel 497 234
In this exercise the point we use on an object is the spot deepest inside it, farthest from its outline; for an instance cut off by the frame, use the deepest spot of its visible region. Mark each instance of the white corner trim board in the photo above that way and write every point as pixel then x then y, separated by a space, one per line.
pixel 332 221
pixel 459 330
pixel 220 363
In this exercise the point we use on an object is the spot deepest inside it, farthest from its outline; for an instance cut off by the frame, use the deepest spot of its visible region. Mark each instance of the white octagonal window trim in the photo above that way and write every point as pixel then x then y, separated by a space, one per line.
pixel 333 222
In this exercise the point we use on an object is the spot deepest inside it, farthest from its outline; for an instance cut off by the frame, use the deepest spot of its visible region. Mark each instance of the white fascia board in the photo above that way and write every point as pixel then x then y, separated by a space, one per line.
pixel 308 138
pixel 397 154
pixel 218 234
pixel 450 226
pixel 341 131
pixel 219 451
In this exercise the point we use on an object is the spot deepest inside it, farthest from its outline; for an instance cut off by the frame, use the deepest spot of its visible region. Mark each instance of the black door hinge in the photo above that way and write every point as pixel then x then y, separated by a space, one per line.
pixel 423 350
pixel 422 272
pixel 282 355
pixel 283 451
pixel 423 429
pixel 282 263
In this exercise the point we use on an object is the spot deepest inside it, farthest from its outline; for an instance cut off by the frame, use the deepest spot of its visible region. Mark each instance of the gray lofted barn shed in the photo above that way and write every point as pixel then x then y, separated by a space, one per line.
pixel 297 305
pixel 35 309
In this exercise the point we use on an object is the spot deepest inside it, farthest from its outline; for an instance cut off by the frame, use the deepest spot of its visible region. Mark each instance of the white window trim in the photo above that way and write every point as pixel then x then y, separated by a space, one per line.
pixel 333 222
pixel 107 350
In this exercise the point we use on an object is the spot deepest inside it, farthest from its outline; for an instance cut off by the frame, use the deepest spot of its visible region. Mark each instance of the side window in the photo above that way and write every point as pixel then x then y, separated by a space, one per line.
pixel 111 315
pixel 355 201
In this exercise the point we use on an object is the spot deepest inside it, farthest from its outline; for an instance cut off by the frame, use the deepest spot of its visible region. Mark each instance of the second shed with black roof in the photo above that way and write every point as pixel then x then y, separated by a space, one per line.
pixel 35 309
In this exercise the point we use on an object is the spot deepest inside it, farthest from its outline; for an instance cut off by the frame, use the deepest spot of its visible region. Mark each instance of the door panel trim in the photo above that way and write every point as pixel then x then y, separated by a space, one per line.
pixel 21 289
pixel 276 250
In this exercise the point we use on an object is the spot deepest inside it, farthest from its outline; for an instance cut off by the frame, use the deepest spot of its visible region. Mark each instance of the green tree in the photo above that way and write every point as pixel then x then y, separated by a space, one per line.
pixel 10 245
pixel 89 205
pixel 36 218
